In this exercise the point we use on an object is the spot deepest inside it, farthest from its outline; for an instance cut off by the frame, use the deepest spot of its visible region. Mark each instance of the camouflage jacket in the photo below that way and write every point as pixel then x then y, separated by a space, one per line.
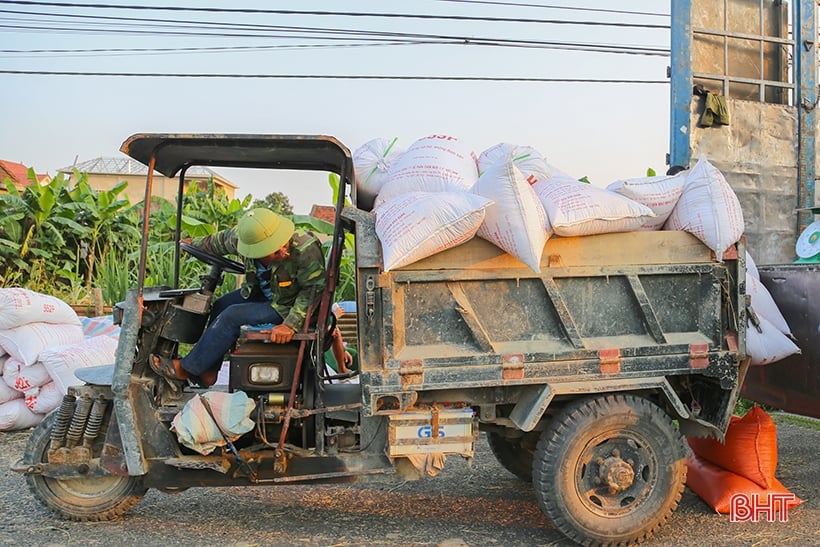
pixel 296 282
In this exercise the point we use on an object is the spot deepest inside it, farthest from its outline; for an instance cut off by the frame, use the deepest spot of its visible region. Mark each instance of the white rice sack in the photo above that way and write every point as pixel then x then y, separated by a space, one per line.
pixel 371 162
pixel 20 377
pixel 660 194
pixel 578 209
pixel 15 415
pixel 20 306
pixel 769 344
pixel 528 160
pixel 7 392
pixel 45 399
pixel 25 377
pixel 25 343
pixel 61 362
pixel 751 267
pixel 438 163
pixel 516 221
pixel 764 305
pixel 11 370
pixel 708 209
pixel 420 224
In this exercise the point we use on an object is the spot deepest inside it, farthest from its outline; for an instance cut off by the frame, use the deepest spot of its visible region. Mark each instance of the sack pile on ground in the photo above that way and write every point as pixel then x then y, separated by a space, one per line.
pixel 743 465
pixel 529 200
pixel 42 343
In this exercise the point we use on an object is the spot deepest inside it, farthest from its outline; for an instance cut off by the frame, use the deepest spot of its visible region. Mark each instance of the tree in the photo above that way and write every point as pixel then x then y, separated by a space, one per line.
pixel 277 202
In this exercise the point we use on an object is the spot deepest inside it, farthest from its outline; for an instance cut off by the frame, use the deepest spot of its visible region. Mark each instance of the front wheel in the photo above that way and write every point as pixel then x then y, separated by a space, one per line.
pixel 609 469
pixel 81 499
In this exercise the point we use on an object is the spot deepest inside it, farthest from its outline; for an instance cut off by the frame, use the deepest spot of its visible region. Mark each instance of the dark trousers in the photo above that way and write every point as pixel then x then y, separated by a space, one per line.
pixel 229 312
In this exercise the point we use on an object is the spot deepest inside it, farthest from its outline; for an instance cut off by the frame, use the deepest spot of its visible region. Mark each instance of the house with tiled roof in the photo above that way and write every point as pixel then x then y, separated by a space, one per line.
pixel 17 173
pixel 105 173
pixel 324 212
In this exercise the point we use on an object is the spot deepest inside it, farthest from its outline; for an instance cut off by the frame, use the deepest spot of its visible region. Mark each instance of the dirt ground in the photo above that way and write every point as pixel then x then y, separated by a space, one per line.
pixel 476 505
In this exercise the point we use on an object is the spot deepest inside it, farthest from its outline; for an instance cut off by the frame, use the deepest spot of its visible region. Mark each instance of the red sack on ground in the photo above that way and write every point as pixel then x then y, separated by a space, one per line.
pixel 750 449
pixel 716 486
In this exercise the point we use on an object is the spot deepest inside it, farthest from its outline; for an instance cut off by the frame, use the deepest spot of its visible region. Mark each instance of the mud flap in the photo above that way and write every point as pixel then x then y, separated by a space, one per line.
pixel 112 458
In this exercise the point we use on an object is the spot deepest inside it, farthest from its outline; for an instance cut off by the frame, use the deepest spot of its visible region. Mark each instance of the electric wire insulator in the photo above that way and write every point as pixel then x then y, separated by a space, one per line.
pixel 61 422
pixel 78 421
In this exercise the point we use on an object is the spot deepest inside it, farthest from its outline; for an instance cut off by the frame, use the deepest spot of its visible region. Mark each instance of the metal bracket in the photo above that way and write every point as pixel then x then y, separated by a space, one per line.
pixel 610 360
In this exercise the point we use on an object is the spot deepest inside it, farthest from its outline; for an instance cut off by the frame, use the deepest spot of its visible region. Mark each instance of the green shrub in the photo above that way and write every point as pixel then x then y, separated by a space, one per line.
pixel 65 238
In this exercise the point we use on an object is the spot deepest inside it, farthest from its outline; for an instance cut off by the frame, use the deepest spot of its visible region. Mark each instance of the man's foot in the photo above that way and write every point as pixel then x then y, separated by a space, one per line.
pixel 170 368
pixel 209 377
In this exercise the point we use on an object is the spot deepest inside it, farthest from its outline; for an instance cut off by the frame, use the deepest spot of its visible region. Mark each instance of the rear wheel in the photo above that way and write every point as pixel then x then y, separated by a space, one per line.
pixel 81 499
pixel 609 469
pixel 515 454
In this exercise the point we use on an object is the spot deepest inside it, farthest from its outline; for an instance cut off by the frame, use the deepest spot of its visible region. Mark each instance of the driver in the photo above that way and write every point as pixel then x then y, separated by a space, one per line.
pixel 284 275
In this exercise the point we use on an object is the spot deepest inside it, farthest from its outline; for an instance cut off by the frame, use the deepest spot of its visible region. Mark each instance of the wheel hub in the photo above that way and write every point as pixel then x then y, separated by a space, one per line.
pixel 615 473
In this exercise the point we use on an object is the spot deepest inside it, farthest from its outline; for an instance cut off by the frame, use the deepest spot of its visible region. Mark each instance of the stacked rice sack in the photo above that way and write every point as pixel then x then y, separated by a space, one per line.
pixel 437 194
pixel 432 197
pixel 424 199
pixel 371 162
pixel 768 335
pixel 424 205
pixel 42 342
pixel 699 201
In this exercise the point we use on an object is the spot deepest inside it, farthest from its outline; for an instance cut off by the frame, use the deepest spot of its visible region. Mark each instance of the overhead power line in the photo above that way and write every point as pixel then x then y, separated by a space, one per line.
pixel 336 77
pixel 545 6
pixel 336 37
pixel 254 11
pixel 567 46
pixel 34 53
pixel 176 27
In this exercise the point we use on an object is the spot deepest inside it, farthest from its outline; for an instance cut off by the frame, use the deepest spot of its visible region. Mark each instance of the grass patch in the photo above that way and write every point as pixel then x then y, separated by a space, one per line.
pixel 742 406
pixel 805 422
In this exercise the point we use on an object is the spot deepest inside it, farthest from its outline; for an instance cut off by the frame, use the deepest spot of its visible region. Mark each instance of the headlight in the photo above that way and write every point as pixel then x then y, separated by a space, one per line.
pixel 265 373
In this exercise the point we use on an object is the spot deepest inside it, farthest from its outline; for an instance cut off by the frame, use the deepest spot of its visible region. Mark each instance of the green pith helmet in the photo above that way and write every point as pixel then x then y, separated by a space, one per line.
pixel 262 232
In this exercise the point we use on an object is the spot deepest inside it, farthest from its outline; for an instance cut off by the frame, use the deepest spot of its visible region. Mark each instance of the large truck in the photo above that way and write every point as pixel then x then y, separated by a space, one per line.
pixel 584 378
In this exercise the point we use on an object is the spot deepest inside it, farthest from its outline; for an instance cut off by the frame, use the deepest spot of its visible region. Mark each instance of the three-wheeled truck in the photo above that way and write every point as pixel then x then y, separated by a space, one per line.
pixel 585 378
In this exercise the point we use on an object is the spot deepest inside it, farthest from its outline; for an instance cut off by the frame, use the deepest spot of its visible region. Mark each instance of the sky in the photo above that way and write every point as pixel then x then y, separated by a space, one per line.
pixel 605 131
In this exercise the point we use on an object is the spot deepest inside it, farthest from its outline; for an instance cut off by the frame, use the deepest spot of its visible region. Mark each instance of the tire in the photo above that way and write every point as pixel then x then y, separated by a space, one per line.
pixel 609 469
pixel 515 455
pixel 90 499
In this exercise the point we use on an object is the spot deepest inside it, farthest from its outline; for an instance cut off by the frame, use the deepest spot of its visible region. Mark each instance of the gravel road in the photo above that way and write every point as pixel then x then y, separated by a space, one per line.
pixel 464 506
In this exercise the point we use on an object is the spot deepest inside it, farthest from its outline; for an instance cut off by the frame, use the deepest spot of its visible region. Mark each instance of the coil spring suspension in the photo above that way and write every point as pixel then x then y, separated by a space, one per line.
pixel 95 418
pixel 58 432
pixel 81 412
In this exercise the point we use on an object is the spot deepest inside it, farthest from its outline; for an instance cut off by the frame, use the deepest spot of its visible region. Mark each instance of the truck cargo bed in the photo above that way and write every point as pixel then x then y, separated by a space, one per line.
pixel 606 307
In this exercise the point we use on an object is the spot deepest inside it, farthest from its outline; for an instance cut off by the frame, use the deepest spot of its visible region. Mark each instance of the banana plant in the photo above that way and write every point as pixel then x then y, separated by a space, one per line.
pixel 41 216
pixel 211 205
pixel 105 216
pixel 11 232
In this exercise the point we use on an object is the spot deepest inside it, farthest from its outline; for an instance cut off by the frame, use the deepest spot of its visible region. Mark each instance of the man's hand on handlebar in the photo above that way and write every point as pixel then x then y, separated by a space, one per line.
pixel 281 334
